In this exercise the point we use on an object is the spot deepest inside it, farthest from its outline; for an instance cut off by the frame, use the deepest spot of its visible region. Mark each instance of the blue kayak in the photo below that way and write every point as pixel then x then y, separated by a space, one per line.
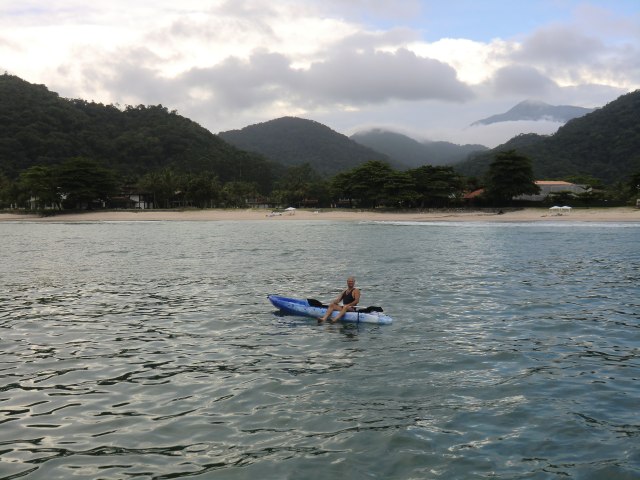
pixel 313 308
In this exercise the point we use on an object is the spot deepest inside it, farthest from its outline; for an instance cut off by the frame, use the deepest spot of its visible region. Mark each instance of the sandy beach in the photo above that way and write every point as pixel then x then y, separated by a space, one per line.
pixel 615 214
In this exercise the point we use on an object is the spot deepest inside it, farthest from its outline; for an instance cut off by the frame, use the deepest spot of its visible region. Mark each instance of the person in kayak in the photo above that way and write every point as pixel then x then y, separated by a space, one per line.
pixel 349 298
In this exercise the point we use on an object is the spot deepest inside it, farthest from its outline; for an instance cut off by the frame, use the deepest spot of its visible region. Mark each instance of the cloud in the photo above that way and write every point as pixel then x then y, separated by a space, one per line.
pixel 571 57
pixel 228 62
pixel 236 84
pixel 345 78
pixel 378 9
pixel 560 45
pixel 373 77
pixel 521 80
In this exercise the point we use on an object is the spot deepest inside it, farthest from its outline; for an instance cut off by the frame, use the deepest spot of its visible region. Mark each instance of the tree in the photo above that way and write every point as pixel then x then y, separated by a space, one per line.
pixel 39 184
pixel 341 187
pixel 162 185
pixel 510 175
pixel 236 194
pixel 201 190
pixel 436 186
pixel 5 185
pixel 634 186
pixel 83 181
pixel 299 185
pixel 399 190
pixel 368 182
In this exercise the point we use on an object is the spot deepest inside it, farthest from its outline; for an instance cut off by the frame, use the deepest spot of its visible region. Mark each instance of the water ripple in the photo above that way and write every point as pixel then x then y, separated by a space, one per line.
pixel 509 358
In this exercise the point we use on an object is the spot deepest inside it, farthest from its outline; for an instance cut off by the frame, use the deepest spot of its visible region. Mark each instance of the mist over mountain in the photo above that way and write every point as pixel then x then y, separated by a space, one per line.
pixel 604 144
pixel 411 152
pixel 535 110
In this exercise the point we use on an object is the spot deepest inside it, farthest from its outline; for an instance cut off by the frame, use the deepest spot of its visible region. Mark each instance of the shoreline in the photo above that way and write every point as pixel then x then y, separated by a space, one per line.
pixel 609 214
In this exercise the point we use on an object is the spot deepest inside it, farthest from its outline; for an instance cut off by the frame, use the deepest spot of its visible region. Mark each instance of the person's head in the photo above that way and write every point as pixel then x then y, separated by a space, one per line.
pixel 351 282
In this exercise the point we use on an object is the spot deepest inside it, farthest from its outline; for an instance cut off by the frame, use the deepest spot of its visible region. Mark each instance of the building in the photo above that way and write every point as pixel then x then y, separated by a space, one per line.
pixel 554 187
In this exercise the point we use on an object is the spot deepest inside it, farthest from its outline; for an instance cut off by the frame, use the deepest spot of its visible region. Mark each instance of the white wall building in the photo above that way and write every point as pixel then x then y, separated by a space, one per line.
pixel 550 187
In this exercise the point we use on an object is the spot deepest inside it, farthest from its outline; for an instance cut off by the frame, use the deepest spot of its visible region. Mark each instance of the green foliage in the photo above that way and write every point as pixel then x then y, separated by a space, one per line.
pixel 296 141
pixel 510 175
pixel 81 182
pixel 6 192
pixel 162 185
pixel 40 184
pixel 37 127
pixel 202 190
pixel 54 149
pixel 409 152
pixel 436 186
pixel 300 186
pixel 235 194
pixel 368 183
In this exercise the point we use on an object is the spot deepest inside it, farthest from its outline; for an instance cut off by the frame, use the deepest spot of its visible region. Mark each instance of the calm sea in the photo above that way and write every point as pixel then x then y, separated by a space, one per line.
pixel 148 350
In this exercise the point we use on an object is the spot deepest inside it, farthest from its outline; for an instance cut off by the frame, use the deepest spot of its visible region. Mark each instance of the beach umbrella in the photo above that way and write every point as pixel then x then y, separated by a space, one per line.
pixel 555 209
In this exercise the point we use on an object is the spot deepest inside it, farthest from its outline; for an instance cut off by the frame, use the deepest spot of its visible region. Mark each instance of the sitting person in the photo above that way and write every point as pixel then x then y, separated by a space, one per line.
pixel 349 298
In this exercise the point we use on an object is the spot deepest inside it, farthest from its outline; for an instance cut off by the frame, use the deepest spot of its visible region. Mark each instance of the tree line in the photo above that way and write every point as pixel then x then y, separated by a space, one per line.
pixel 82 183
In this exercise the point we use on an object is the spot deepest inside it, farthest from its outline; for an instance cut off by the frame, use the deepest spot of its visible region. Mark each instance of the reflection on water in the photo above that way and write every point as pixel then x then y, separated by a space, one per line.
pixel 149 350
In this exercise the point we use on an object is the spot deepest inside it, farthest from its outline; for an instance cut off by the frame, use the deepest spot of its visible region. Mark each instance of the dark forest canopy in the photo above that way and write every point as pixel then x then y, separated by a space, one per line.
pixel 37 127
pixel 296 141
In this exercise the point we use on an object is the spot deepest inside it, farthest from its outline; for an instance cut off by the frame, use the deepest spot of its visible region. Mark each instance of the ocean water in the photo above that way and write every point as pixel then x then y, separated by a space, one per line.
pixel 148 350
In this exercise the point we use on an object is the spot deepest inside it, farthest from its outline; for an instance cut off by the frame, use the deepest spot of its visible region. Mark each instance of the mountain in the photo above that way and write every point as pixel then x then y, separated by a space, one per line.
pixel 38 127
pixel 534 110
pixel 604 144
pixel 296 141
pixel 410 152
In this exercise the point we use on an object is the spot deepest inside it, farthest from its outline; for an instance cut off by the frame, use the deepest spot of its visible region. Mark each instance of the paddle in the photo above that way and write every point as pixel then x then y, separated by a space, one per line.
pixel 317 303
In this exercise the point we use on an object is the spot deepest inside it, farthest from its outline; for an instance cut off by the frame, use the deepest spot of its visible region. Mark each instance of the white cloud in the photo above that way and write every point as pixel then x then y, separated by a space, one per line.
pixel 229 63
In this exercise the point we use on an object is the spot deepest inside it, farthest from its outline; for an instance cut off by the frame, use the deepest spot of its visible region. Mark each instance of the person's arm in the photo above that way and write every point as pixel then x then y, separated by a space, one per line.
pixel 338 298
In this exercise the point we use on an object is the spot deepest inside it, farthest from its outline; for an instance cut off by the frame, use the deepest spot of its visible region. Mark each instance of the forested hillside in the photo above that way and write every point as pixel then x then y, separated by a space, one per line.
pixel 38 127
pixel 604 144
pixel 68 154
pixel 296 141
pixel 407 151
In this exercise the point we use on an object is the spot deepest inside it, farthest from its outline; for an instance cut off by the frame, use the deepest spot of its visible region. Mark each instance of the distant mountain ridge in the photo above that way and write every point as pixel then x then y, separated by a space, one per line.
pixel 535 111
pixel 413 153
pixel 604 144
pixel 295 141
pixel 38 127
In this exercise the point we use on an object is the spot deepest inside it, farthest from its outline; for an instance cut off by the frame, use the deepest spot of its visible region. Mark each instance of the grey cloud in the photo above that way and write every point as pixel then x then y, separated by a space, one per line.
pixel 368 40
pixel 560 45
pixel 406 9
pixel 375 77
pixel 347 78
pixel 565 52
pixel 236 84
pixel 521 80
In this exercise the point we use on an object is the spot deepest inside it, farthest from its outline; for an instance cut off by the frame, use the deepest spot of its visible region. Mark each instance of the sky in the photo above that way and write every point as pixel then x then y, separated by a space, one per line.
pixel 425 68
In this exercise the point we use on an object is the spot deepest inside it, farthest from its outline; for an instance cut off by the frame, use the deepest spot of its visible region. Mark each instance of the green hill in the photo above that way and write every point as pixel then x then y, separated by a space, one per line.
pixel 407 151
pixel 604 144
pixel 296 141
pixel 38 127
